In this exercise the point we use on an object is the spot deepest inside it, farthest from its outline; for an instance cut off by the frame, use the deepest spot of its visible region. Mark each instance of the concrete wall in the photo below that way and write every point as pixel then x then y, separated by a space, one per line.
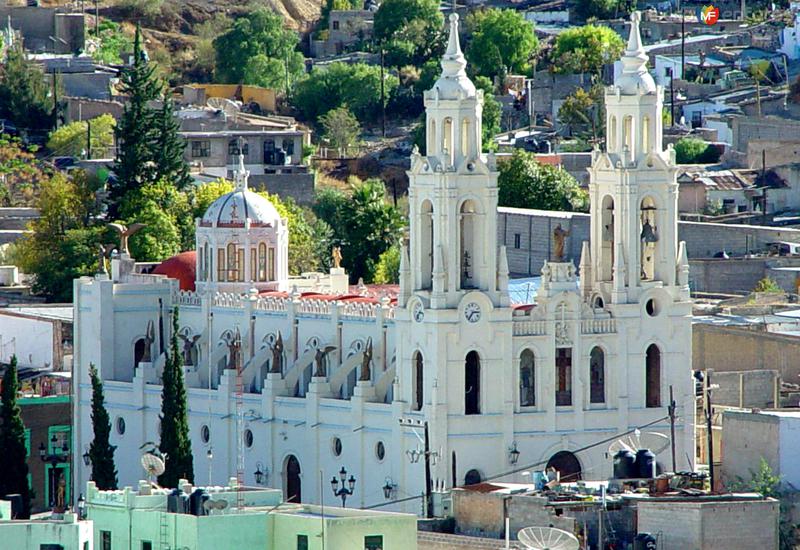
pixel 70 534
pixel 298 186
pixel 80 108
pixel 726 276
pixel 771 128
pixel 727 349
pixel 776 152
pixel 740 525
pixel 446 541
pixel 30 339
pixel 746 388
pixel 38 24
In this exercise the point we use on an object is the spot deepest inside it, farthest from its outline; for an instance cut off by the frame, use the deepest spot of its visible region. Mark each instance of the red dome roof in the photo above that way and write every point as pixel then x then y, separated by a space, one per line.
pixel 181 267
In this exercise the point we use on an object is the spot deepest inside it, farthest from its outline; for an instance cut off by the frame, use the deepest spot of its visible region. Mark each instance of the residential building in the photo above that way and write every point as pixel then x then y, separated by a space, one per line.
pixel 345 28
pixel 66 533
pixel 40 335
pixel 264 99
pixel 46 29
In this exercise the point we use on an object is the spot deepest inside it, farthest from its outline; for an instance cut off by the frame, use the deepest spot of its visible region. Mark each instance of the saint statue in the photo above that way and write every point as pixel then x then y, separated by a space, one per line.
pixel 366 374
pixel 336 255
pixel 188 347
pixel 149 338
pixel 559 238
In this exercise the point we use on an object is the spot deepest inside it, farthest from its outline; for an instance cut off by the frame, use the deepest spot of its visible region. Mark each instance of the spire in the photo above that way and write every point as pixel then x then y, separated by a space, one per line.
pixel 405 274
pixel 241 174
pixel 502 271
pixel 683 265
pixel 453 62
pixel 586 269
pixel 634 77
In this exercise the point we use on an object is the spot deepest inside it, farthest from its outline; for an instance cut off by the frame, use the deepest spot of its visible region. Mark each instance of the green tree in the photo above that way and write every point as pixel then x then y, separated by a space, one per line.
pixel 410 31
pixel 134 165
pixel 110 43
pixel 258 33
pixel 207 32
pixel 585 49
pixel 600 9
pixel 387 271
pixel 363 222
pixel 175 443
pixel 101 451
pixel 492 110
pixel 525 183
pixel 13 462
pixel 500 38
pixel 168 146
pixel 341 127
pixel 24 93
pixel 207 193
pixel 20 171
pixel 357 85
pixel 71 139
pixel 689 150
pixel 584 112
pixel 267 72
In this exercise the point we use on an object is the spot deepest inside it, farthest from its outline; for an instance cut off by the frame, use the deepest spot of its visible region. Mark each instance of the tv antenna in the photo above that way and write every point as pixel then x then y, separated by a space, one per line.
pixel 654 441
pixel 547 538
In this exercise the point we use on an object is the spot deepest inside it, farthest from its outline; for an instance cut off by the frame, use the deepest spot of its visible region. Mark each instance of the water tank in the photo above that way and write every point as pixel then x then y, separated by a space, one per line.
pixel 196 500
pixel 178 502
pixel 645 464
pixel 644 541
pixel 624 465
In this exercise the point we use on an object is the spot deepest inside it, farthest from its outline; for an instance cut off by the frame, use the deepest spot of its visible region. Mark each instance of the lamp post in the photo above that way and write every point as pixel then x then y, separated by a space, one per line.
pixel 261 474
pixel 389 488
pixel 430 456
pixel 87 457
pixel 344 492
pixel 513 453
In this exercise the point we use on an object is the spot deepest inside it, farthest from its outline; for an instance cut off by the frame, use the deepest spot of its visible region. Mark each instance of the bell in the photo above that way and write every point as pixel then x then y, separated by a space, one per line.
pixel 648 233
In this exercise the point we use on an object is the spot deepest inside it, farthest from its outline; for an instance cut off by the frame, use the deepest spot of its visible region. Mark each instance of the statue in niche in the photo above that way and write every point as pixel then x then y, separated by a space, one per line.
pixel 336 256
pixel 277 355
pixel 234 344
pixel 188 347
pixel 149 338
pixel 366 361
pixel 320 360
pixel 559 239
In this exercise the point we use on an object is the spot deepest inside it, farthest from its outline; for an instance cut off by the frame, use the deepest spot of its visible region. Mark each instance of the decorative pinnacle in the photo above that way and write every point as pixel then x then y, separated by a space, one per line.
pixel 453 61
pixel 634 60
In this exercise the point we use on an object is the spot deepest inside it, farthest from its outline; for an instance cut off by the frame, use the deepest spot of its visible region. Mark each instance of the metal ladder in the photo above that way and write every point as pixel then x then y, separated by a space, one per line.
pixel 163 531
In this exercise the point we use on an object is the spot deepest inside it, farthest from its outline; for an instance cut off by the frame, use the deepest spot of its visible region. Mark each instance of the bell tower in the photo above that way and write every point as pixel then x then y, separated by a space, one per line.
pixel 633 191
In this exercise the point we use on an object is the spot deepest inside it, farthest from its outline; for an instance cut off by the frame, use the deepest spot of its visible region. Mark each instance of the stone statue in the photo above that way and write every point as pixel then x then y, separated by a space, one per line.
pixel 277 355
pixel 336 255
pixel 366 361
pixel 559 238
pixel 125 232
pixel 149 338
pixel 234 343
pixel 188 347
pixel 319 360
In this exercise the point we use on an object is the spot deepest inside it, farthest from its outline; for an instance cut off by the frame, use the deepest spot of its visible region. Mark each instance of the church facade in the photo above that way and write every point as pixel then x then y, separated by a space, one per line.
pixel 297 384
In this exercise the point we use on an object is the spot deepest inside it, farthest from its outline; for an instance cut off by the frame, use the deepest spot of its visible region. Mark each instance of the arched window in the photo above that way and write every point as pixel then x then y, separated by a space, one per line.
pixel 473 477
pixel 271 263
pixel 597 376
pixel 418 365
pixel 138 351
pixel 253 273
pixel 468 239
pixel 527 387
pixel 472 383
pixel 262 262
pixel 612 134
pixel 233 269
pixel 426 240
pixel 240 265
pixel 563 377
pixel 649 238
pixel 220 264
pixel 447 140
pixel 465 137
pixel 292 489
pixel 566 464
pixel 206 262
pixel 653 377
pixel 431 141
pixel 607 240
pixel 646 135
pixel 627 134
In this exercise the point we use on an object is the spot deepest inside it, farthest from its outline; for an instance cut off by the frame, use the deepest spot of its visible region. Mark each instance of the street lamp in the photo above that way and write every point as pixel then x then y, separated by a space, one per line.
pixel 513 453
pixel 261 474
pixel 344 492
pixel 389 488
pixel 87 458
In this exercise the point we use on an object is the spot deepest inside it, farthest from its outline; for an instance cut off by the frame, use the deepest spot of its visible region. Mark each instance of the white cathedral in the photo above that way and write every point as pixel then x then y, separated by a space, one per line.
pixel 297 384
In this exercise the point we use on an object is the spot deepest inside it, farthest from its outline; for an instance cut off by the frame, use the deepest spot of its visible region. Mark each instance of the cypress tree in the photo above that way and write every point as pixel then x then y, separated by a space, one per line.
pixel 175 442
pixel 101 452
pixel 135 131
pixel 169 147
pixel 13 463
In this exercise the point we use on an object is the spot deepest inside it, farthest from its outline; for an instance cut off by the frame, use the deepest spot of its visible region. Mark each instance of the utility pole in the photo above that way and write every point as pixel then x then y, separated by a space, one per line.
pixel 89 139
pixel 383 97
pixel 709 435
pixel 671 97
pixel 671 410
pixel 96 19
pixel 55 99
pixel 683 42
pixel 415 455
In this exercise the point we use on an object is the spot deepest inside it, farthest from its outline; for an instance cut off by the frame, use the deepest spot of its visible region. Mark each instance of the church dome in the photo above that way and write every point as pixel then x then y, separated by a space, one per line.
pixel 231 210
pixel 181 267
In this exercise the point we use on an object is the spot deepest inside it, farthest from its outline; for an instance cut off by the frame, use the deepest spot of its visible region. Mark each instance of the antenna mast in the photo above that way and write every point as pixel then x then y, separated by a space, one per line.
pixel 239 423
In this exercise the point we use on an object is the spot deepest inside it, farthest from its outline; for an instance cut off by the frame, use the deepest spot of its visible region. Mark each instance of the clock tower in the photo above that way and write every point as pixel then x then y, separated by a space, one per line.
pixel 453 317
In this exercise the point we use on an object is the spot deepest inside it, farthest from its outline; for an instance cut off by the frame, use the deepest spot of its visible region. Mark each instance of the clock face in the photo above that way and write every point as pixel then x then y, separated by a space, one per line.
pixel 472 312
pixel 418 312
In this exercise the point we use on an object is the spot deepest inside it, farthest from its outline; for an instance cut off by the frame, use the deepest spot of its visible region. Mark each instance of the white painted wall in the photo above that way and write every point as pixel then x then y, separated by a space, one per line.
pixel 30 339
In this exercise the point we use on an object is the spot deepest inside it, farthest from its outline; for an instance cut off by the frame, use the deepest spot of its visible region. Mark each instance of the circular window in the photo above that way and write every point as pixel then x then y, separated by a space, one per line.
pixel 651 307
pixel 380 451
pixel 337 446
pixel 205 433
pixel 248 438
pixel 120 423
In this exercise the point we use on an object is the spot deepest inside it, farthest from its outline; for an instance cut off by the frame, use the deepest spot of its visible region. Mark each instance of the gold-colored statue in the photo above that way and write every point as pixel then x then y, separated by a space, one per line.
pixel 337 256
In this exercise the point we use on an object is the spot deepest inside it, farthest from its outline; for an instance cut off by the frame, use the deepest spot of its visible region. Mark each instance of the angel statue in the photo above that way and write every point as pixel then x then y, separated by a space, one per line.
pixel 277 355
pixel 366 361
pixel 320 360
pixel 124 232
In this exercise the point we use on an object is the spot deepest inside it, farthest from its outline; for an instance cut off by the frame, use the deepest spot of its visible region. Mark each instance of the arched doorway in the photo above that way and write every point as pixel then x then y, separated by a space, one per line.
pixel 138 351
pixel 472 383
pixel 567 464
pixel 473 477
pixel 293 489
pixel 419 368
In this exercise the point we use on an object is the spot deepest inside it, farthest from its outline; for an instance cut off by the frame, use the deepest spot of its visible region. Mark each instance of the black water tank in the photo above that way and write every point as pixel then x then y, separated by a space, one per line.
pixel 16 505
pixel 645 464
pixel 178 502
pixel 196 501
pixel 624 465
pixel 644 541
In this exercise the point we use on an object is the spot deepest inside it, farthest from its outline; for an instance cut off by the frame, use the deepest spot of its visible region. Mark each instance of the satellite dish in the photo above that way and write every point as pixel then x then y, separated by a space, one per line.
pixel 152 464
pixel 654 441
pixel 219 504
pixel 547 538
pixel 230 108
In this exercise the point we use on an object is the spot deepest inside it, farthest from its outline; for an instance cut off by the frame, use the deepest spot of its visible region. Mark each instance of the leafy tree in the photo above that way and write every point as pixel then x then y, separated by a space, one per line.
pixel 71 139
pixel 410 31
pixel 101 452
pixel 207 32
pixel 357 85
pixel 260 33
pixel 689 150
pixel 20 171
pixel 110 43
pixel 341 127
pixel 600 9
pixel 584 112
pixel 585 49
pixel 175 443
pixel 207 193
pixel 267 72
pixel 363 222
pixel 168 146
pixel 387 271
pixel 492 110
pixel 24 93
pixel 62 245
pixel 500 38
pixel 525 183
pixel 134 164
pixel 13 462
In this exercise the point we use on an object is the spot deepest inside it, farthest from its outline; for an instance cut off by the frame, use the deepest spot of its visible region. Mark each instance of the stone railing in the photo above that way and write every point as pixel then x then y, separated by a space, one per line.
pixel 187 298
pixel 226 299
pixel 314 307
pixel 271 303
pixel 359 310
pixel 144 278
pixel 598 326
pixel 530 328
